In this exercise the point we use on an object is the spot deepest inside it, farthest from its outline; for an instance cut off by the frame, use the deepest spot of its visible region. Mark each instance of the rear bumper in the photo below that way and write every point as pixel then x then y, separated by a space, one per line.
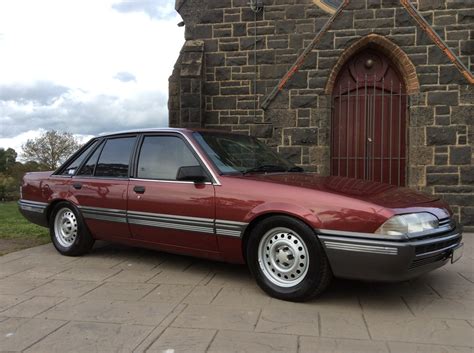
pixel 374 258
pixel 34 211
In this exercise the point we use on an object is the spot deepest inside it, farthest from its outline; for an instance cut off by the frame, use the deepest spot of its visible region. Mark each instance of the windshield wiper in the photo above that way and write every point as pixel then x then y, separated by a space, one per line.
pixel 264 168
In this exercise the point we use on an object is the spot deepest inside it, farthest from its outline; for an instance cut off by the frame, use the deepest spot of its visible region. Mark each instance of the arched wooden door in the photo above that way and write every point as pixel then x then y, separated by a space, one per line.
pixel 368 133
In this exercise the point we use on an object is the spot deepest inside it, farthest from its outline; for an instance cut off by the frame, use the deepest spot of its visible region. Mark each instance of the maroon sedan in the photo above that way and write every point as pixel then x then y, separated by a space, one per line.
pixel 228 197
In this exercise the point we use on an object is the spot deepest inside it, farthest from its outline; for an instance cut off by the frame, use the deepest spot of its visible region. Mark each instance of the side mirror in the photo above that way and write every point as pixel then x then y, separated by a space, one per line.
pixel 192 173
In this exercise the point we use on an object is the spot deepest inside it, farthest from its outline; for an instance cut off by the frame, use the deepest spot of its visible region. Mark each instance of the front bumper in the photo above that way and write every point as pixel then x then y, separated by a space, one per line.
pixel 388 258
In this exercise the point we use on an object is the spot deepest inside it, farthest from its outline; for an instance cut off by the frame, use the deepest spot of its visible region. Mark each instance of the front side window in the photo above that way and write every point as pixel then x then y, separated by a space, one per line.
pixel 232 153
pixel 72 167
pixel 162 156
pixel 115 158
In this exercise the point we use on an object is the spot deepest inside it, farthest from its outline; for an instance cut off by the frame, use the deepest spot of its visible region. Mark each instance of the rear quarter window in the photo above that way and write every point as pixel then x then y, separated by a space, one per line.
pixel 71 168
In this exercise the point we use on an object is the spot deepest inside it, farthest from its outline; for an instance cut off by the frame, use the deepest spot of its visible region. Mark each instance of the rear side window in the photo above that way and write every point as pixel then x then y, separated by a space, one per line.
pixel 89 167
pixel 71 168
pixel 162 156
pixel 115 157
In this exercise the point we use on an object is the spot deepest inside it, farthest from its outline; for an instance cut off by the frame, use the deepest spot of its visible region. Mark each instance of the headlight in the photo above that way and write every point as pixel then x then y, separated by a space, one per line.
pixel 408 223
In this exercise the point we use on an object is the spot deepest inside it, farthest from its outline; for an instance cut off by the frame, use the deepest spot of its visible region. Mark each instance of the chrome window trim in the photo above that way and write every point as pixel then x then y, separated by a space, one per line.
pixel 170 181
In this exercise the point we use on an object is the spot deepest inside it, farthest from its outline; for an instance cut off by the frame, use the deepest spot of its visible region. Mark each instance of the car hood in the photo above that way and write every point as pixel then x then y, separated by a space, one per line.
pixel 384 195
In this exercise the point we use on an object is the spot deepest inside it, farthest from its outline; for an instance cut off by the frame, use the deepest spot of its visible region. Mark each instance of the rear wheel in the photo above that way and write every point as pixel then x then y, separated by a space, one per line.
pixel 287 260
pixel 69 234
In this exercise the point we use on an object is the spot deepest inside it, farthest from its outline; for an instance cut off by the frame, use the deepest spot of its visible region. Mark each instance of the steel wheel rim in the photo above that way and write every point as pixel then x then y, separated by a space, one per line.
pixel 65 227
pixel 283 257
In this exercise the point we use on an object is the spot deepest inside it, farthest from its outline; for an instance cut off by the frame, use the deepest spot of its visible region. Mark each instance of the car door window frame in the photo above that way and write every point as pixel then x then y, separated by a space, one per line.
pixel 59 172
pixel 99 147
pixel 199 159
pixel 101 144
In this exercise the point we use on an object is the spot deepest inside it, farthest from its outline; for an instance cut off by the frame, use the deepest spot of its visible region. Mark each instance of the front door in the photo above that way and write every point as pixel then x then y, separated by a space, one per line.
pixel 178 215
pixel 369 120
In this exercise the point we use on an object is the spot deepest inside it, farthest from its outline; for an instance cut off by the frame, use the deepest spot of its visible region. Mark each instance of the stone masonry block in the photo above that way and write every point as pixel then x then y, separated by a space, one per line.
pixel 460 155
pixel 445 135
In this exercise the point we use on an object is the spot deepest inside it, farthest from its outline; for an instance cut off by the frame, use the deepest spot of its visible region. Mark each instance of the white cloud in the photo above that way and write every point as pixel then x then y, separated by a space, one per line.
pixel 125 76
pixel 64 66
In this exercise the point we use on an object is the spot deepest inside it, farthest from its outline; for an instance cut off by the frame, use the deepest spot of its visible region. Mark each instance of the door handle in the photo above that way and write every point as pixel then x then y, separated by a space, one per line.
pixel 139 189
pixel 77 186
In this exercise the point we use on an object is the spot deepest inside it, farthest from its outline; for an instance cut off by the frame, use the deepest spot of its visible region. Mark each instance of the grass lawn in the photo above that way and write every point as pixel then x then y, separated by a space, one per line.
pixel 16 232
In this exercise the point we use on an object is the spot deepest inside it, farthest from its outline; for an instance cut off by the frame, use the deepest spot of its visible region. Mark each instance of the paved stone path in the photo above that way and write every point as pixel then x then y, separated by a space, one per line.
pixel 121 299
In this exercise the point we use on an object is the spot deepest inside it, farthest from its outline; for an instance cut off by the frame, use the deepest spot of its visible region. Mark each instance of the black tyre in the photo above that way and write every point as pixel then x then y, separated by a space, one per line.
pixel 68 231
pixel 287 259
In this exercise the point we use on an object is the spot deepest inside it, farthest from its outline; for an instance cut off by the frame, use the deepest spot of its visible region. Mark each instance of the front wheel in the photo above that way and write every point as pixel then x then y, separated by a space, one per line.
pixel 287 259
pixel 69 234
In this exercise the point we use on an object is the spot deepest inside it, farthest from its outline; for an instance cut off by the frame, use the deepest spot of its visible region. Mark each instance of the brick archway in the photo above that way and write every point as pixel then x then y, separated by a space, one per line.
pixel 399 58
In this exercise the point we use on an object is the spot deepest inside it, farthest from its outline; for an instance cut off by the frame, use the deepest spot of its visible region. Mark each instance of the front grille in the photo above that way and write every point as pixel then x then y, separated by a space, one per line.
pixel 428 260
pixel 445 222
pixel 428 248
pixel 438 246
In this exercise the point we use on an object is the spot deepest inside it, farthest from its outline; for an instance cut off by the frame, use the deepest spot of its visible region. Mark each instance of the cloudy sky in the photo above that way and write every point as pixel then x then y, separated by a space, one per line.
pixel 84 66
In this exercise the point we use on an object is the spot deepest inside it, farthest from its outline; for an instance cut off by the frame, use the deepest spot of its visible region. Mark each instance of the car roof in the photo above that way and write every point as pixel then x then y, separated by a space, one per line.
pixel 162 129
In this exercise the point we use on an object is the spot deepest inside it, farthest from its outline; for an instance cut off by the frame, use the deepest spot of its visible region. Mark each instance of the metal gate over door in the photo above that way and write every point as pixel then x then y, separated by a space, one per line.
pixel 369 109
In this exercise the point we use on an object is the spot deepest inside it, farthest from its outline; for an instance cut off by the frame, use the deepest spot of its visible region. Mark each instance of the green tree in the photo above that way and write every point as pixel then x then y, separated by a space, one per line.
pixel 7 159
pixel 51 148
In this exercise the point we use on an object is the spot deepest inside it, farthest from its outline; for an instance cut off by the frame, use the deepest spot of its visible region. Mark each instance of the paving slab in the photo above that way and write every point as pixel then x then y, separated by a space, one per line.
pixel 7 301
pixel 168 293
pixel 428 306
pixel 178 277
pixel 288 321
pixel 202 294
pixel 87 274
pixel 349 325
pixel 133 276
pixel 235 276
pixel 332 345
pixel 251 342
pixel 19 286
pixel 402 347
pixel 17 334
pixel 120 291
pixel 387 306
pixel 9 269
pixel 421 330
pixel 92 337
pixel 33 306
pixel 134 313
pixel 64 288
pixel 183 340
pixel 40 272
pixel 242 296
pixel 217 317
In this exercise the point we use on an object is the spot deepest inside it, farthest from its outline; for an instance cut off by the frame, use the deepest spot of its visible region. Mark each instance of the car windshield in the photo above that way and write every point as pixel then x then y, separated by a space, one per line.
pixel 233 153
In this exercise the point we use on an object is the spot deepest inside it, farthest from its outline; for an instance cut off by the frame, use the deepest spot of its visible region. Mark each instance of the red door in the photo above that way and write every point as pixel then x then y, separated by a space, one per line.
pixel 369 120
pixel 177 215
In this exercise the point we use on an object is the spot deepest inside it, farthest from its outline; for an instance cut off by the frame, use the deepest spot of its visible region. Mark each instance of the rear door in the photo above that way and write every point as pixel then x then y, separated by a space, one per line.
pixel 179 215
pixel 100 187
